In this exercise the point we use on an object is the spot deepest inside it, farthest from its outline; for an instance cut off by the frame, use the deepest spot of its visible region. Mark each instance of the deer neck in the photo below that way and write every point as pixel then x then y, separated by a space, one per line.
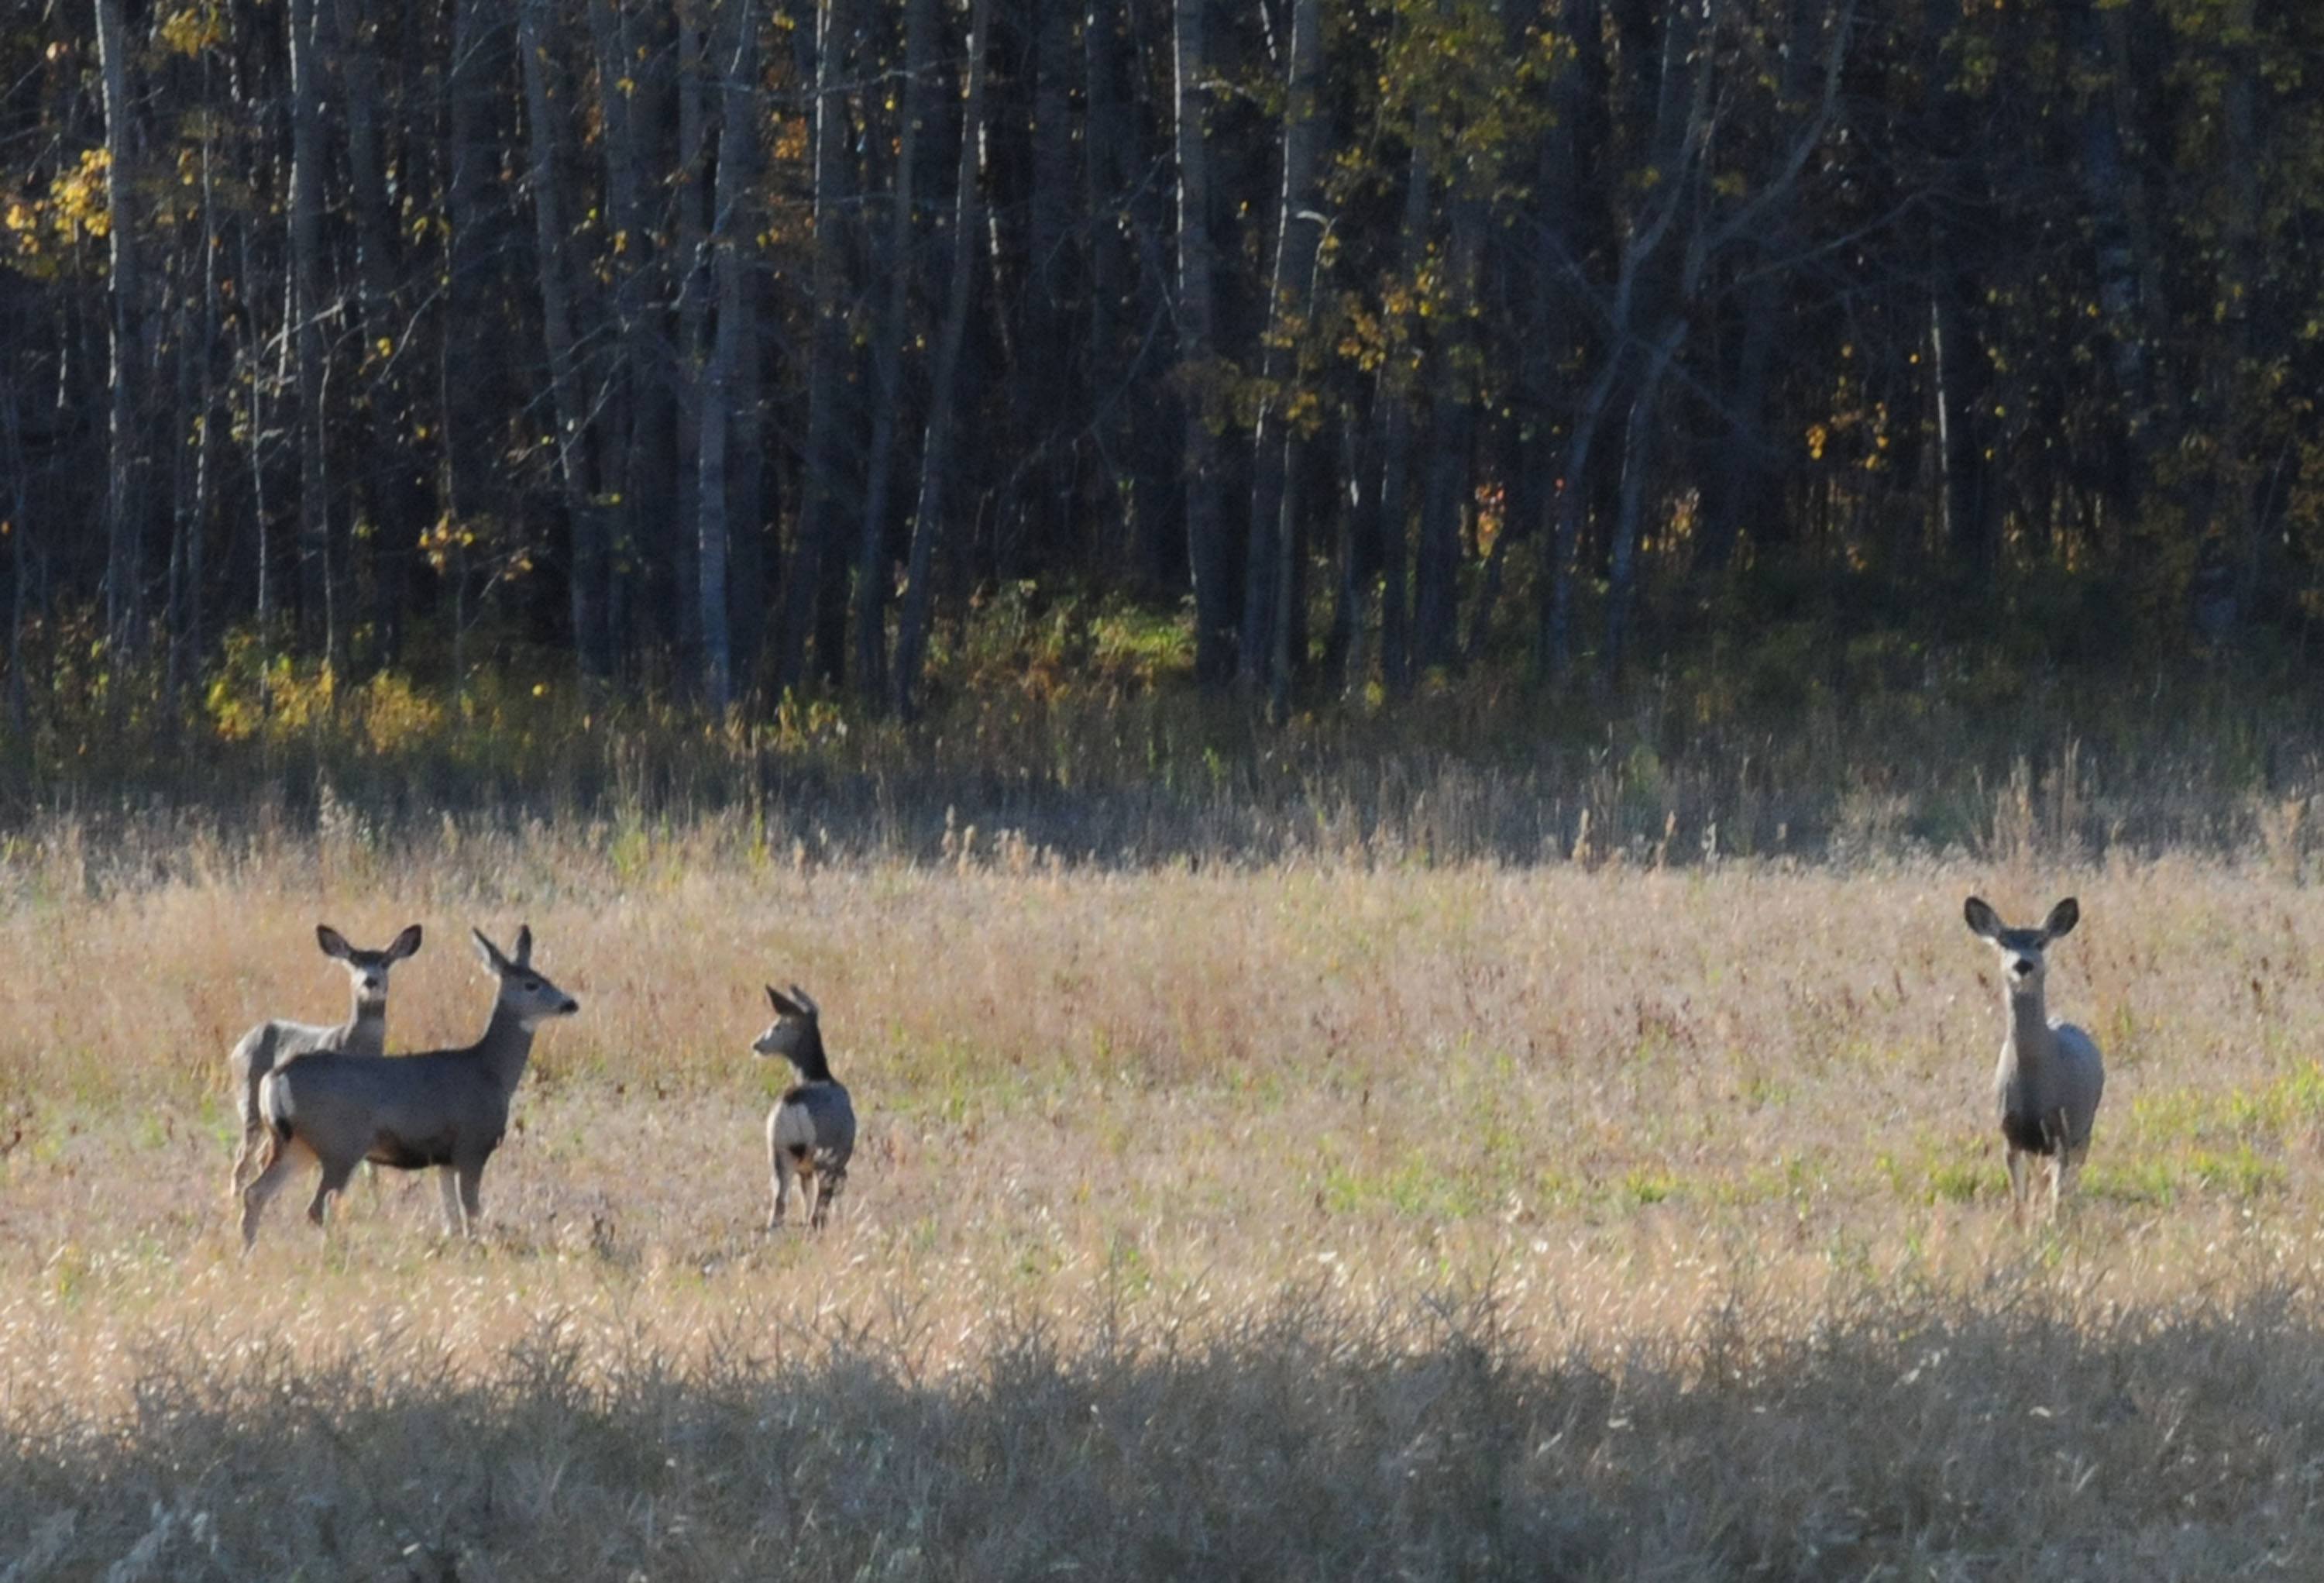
pixel 365 1028
pixel 2030 1034
pixel 809 1060
pixel 506 1047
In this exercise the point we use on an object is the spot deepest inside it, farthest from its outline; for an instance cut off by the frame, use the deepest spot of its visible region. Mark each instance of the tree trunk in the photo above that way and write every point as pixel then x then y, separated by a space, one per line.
pixel 872 576
pixel 2237 508
pixel 1959 369
pixel 1050 403
pixel 1959 376
pixel 1393 405
pixel 1637 459
pixel 828 356
pixel 469 491
pixel 929 520
pixel 2106 185
pixel 731 231
pixel 1274 506
pixel 318 623
pixel 746 449
pixel 573 450
pixel 181 518
pixel 622 420
pixel 694 283
pixel 254 351
pixel 1344 655
pixel 1552 647
pixel 187 638
pixel 1109 132
pixel 125 516
pixel 1742 499
pixel 1207 554
pixel 20 530
pixel 1435 606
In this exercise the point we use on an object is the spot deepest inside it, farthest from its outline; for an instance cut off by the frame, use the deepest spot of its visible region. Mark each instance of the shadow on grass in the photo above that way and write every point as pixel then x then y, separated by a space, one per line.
pixel 2008 1432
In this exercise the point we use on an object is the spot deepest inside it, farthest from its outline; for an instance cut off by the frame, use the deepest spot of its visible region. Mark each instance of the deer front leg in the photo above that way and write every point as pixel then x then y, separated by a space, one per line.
pixel 2073 1169
pixel 832 1182
pixel 334 1182
pixel 2017 1185
pixel 252 1147
pixel 448 1189
pixel 472 1204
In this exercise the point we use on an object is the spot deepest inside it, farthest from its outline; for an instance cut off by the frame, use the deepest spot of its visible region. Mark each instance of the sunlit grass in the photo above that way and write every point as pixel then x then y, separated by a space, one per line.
pixel 1320 1219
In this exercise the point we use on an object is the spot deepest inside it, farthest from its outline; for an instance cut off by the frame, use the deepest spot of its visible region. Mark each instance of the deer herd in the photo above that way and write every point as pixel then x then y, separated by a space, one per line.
pixel 334 1095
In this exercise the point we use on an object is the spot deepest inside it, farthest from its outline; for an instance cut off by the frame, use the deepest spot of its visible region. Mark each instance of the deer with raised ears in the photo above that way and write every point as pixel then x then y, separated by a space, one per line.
pixel 811 1131
pixel 2051 1078
pixel 445 1108
pixel 269 1044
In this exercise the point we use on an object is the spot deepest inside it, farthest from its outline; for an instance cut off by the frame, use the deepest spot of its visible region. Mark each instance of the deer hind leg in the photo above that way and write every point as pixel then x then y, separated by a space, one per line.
pixel 779 1169
pixel 833 1181
pixel 262 1188
pixel 2069 1169
pixel 803 1164
pixel 251 1148
pixel 251 1152
pixel 2018 1185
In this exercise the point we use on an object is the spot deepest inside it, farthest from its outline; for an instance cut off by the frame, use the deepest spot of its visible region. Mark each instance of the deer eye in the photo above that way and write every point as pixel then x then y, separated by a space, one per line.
pixel 533 984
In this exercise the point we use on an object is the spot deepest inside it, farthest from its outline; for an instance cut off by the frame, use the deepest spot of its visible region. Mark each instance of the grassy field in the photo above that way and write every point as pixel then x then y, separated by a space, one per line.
pixel 1318 1220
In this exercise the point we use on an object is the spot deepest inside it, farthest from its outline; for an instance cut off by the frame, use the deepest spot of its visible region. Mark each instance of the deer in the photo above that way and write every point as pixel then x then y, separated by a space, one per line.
pixel 271 1043
pixel 2051 1078
pixel 445 1108
pixel 811 1131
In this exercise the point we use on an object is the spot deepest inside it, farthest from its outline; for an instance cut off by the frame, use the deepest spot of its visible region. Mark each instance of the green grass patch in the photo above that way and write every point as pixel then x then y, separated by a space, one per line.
pixel 2240 1172
pixel 1416 1185
pixel 1941 1170
pixel 2131 1179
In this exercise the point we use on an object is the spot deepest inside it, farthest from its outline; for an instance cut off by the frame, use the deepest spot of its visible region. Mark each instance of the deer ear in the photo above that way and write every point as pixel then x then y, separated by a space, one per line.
pixel 1983 922
pixel 806 1002
pixel 406 944
pixel 333 942
pixel 523 958
pixel 2062 918
pixel 783 1009
pixel 490 952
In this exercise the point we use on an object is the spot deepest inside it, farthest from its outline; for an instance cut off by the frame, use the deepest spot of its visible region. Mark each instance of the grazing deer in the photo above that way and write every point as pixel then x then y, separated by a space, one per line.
pixel 269 1044
pixel 447 1108
pixel 2051 1078
pixel 811 1131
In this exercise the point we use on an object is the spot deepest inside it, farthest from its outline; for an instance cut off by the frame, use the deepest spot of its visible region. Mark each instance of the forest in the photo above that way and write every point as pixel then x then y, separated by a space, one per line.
pixel 720 353
pixel 1366 649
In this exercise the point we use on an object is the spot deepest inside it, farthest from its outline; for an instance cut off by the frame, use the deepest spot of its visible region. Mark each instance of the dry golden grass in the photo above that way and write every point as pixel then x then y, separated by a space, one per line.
pixel 1308 1221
